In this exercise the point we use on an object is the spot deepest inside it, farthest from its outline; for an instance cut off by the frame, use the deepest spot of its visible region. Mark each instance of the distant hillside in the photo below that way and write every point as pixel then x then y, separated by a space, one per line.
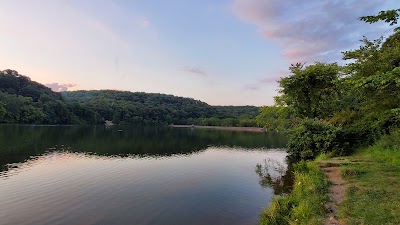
pixel 12 82
pixel 148 108
pixel 140 108
pixel 26 101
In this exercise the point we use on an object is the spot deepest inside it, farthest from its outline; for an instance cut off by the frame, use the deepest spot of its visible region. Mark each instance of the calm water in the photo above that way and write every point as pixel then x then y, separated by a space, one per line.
pixel 94 175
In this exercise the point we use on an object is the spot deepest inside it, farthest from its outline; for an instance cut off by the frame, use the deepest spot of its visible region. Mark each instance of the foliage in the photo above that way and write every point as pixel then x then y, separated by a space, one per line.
pixel 310 90
pixel 28 102
pixel 227 122
pixel 305 204
pixel 374 74
pixel 313 137
pixel 360 101
pixel 389 16
pixel 275 118
pixel 123 107
pixel 12 82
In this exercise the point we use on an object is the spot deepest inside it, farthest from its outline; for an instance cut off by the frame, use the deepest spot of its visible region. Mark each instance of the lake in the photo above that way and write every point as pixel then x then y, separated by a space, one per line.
pixel 138 175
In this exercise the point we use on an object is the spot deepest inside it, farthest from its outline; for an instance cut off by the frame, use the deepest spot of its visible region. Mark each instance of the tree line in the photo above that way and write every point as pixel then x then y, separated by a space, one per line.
pixel 23 101
pixel 328 108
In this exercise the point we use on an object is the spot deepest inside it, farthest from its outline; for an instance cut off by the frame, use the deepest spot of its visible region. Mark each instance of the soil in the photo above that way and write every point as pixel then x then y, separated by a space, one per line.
pixel 337 190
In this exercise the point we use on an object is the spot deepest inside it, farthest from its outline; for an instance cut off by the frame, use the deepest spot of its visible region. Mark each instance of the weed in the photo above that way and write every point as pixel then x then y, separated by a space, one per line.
pixel 305 205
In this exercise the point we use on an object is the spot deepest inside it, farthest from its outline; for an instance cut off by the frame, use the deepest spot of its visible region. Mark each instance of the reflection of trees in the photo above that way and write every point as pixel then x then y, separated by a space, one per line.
pixel 272 174
pixel 19 143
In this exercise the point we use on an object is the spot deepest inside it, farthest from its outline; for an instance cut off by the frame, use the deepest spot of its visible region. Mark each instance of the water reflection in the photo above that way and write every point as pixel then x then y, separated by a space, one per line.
pixel 216 186
pixel 19 143
pixel 94 175
pixel 276 175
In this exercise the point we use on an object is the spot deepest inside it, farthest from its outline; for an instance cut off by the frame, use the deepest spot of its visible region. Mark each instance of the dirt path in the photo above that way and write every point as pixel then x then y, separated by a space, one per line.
pixel 332 171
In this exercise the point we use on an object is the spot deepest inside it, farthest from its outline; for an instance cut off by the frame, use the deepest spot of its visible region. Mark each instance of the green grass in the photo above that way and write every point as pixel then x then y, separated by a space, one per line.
pixel 322 157
pixel 373 189
pixel 373 194
pixel 305 205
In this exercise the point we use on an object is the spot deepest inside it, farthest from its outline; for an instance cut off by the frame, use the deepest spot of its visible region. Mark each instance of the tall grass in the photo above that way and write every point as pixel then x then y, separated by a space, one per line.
pixel 305 205
pixel 373 195
pixel 386 150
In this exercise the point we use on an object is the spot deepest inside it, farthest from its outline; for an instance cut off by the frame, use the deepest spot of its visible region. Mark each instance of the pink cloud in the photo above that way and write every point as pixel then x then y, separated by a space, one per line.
pixel 311 30
pixel 60 87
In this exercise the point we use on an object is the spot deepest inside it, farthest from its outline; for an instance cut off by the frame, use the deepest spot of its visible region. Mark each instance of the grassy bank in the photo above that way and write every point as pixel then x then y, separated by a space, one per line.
pixel 305 205
pixel 373 179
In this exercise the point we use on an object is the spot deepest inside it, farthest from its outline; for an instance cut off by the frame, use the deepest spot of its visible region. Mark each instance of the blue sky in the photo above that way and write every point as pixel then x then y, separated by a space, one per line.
pixel 223 52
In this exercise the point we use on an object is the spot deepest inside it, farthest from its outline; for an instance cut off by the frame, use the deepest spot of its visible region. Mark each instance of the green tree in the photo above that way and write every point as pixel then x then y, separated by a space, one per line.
pixel 274 118
pixel 374 74
pixel 311 90
pixel 389 16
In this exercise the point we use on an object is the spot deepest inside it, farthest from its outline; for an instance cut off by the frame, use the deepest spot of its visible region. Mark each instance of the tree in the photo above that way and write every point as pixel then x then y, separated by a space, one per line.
pixel 274 118
pixel 310 90
pixel 389 16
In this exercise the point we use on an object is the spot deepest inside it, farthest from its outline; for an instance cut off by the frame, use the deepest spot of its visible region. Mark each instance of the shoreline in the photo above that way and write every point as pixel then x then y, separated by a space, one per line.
pixel 243 129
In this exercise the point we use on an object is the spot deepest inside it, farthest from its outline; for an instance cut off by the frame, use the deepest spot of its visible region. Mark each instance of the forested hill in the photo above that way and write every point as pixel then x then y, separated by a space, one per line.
pixel 150 108
pixel 28 102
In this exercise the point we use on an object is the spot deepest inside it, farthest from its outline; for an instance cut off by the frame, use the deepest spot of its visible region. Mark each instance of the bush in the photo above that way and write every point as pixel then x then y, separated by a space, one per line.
pixel 313 137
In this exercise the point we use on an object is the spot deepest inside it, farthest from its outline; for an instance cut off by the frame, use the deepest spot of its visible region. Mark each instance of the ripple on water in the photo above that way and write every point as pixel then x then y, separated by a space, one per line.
pixel 214 186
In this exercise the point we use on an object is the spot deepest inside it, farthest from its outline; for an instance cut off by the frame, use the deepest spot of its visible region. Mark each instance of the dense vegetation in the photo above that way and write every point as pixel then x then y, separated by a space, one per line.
pixel 302 205
pixel 27 102
pixel 333 109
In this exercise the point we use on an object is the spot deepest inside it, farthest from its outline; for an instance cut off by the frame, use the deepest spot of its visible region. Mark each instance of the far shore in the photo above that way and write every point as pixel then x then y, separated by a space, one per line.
pixel 244 129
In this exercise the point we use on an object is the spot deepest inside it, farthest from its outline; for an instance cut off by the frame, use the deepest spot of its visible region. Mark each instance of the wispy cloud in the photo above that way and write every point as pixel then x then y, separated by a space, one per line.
pixel 60 87
pixel 144 22
pixel 311 30
pixel 269 81
pixel 195 71
pixel 251 87
pixel 273 78
pixel 105 30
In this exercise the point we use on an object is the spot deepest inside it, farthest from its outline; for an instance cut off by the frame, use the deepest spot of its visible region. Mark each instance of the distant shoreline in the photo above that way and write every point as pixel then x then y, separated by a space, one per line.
pixel 244 129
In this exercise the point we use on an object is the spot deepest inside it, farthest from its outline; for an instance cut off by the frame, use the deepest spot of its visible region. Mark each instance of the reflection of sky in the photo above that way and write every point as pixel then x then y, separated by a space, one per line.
pixel 221 52
pixel 215 186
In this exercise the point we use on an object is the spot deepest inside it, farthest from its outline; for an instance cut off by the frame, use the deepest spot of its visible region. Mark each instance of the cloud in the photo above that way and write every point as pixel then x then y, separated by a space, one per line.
pixel 144 22
pixel 105 30
pixel 313 30
pixel 270 81
pixel 60 87
pixel 195 71
pixel 273 79
pixel 251 87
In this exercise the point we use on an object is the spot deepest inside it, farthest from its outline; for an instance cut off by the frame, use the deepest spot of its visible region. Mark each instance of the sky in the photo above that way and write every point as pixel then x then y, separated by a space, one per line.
pixel 223 52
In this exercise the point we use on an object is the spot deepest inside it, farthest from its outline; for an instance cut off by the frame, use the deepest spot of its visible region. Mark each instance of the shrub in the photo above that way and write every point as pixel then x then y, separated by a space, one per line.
pixel 313 137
